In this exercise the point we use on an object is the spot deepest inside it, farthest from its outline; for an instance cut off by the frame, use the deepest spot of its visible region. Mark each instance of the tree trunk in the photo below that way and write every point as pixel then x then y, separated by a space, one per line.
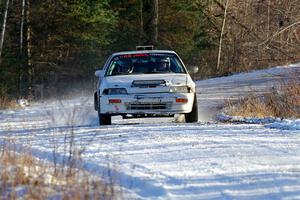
pixel 221 36
pixel 20 84
pixel 29 52
pixel 22 26
pixel 155 22
pixel 141 22
pixel 3 29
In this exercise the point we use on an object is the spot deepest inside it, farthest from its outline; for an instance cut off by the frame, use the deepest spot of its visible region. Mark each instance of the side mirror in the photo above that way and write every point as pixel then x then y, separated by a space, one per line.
pixel 193 70
pixel 99 73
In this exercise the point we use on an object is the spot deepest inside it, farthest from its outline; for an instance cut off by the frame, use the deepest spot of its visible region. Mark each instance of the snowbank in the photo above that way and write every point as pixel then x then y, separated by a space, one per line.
pixel 270 122
pixel 248 120
pixel 286 124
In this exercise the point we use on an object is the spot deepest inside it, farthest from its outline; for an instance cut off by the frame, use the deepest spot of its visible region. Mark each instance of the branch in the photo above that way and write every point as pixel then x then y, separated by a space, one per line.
pixel 278 33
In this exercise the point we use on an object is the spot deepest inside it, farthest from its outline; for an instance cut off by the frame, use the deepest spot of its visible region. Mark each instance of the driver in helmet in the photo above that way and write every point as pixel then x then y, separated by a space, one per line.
pixel 163 65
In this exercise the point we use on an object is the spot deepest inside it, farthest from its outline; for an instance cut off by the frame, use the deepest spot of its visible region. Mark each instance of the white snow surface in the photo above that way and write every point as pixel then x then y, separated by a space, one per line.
pixel 161 159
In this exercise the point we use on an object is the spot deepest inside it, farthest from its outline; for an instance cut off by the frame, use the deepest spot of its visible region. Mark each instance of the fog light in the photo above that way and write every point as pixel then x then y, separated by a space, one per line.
pixel 114 101
pixel 181 100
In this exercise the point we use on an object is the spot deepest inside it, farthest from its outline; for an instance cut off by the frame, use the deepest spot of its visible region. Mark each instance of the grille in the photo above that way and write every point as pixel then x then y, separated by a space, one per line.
pixel 148 83
pixel 148 106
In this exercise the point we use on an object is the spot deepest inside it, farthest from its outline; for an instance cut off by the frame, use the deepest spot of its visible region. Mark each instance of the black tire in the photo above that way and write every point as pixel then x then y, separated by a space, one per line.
pixel 104 119
pixel 193 115
pixel 96 101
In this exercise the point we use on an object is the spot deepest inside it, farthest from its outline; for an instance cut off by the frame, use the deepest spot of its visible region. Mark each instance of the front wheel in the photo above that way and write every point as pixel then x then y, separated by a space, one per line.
pixel 104 119
pixel 193 115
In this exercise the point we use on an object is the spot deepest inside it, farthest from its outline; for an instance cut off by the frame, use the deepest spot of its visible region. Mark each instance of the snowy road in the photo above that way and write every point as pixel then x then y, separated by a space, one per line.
pixel 159 159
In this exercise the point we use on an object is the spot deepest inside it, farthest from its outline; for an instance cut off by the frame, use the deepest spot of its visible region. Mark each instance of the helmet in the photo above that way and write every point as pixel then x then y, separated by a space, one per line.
pixel 163 64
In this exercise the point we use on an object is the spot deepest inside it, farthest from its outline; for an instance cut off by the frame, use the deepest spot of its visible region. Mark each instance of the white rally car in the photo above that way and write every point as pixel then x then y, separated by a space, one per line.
pixel 147 83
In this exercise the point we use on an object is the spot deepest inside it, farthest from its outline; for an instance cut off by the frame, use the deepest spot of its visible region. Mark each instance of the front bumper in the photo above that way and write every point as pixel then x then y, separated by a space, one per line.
pixel 157 103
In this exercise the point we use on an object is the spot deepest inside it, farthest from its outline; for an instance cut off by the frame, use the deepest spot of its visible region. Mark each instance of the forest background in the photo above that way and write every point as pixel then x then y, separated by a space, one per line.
pixel 50 46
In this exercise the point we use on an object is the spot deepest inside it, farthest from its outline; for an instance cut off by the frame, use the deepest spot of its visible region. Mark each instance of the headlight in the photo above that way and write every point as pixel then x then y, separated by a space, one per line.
pixel 114 91
pixel 180 89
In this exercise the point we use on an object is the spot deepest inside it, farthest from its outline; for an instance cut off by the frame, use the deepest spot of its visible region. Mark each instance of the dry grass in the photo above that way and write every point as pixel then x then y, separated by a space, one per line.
pixel 283 101
pixel 6 102
pixel 22 176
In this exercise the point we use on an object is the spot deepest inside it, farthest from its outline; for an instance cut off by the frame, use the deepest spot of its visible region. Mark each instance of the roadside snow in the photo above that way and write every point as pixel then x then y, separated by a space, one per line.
pixel 269 122
pixel 286 124
pixel 249 120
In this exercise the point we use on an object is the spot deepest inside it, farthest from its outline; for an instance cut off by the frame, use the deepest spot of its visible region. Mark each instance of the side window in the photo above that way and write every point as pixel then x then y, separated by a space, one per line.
pixel 111 68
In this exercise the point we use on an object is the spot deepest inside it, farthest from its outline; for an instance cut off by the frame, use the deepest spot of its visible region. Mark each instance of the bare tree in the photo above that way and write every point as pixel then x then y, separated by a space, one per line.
pixel 221 35
pixel 22 26
pixel 29 51
pixel 155 21
pixel 3 28
pixel 141 21
pixel 21 47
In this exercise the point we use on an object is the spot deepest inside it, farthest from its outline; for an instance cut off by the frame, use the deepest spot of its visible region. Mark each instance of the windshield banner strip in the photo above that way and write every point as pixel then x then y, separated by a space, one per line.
pixel 134 55
pixel 144 55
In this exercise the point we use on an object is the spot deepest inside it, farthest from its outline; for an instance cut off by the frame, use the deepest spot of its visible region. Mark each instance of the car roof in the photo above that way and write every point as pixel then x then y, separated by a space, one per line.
pixel 143 51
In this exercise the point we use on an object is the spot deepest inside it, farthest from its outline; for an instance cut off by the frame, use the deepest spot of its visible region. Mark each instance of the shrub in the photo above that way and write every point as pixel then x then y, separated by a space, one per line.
pixel 6 102
pixel 282 101
pixel 23 176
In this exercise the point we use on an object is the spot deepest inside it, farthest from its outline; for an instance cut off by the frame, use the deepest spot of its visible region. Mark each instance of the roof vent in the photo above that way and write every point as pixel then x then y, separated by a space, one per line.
pixel 141 48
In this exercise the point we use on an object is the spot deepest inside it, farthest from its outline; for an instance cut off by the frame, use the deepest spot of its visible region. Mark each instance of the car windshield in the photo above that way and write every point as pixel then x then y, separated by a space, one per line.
pixel 144 64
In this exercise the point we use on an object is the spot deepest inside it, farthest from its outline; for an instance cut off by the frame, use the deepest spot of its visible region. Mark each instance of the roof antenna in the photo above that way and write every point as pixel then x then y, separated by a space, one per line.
pixel 142 48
